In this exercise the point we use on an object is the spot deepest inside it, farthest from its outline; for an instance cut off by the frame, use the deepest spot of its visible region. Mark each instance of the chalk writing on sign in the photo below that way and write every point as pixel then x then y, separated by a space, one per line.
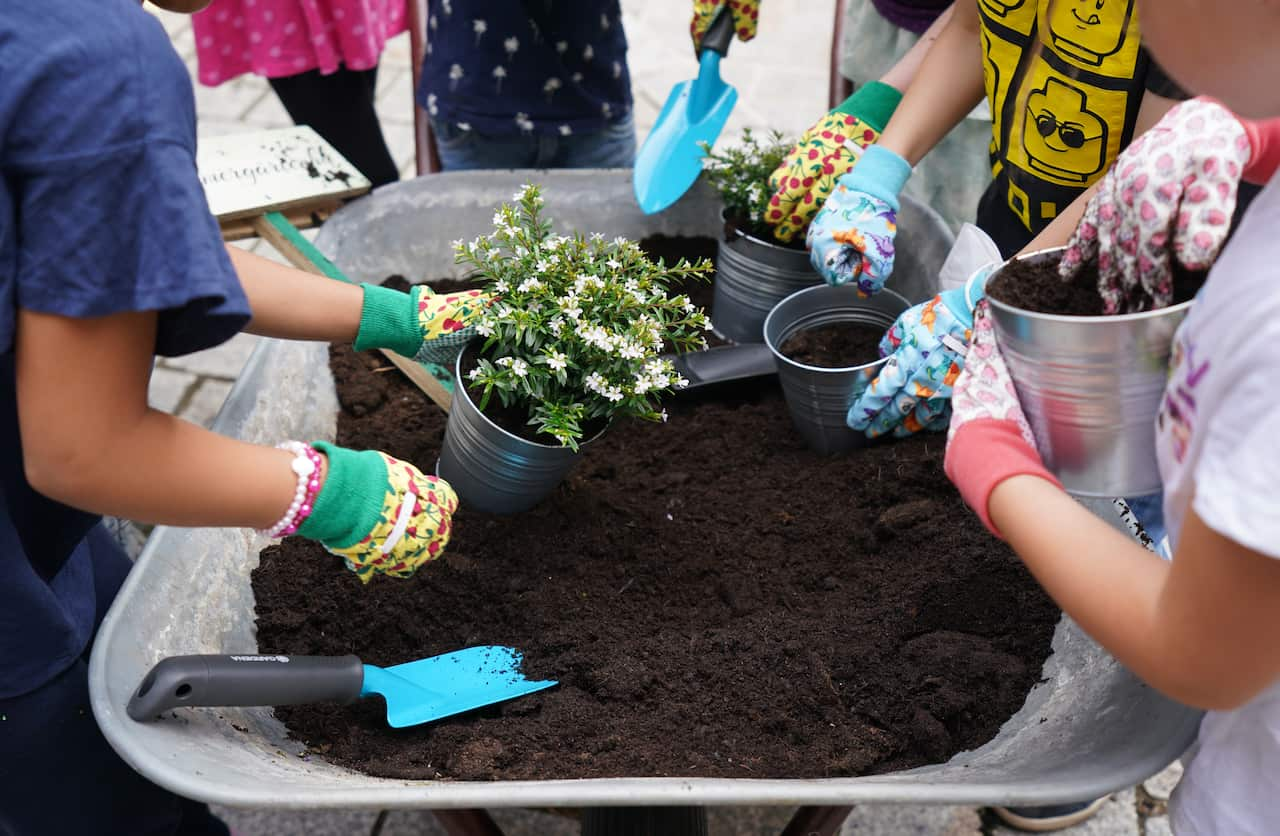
pixel 246 174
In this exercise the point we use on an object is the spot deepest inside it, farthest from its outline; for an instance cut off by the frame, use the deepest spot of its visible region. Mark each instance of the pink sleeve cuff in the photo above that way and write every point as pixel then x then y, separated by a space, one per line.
pixel 1264 148
pixel 982 454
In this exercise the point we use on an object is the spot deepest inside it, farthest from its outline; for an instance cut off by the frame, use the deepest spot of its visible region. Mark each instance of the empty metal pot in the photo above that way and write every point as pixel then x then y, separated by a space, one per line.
pixel 818 398
pixel 753 275
pixel 1090 387
pixel 491 469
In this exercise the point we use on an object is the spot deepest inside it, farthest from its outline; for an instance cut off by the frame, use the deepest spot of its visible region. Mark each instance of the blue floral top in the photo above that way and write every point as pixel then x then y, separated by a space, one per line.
pixel 536 67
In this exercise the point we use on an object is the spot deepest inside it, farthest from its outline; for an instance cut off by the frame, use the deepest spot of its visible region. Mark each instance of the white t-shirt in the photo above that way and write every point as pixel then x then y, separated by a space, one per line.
pixel 1218 442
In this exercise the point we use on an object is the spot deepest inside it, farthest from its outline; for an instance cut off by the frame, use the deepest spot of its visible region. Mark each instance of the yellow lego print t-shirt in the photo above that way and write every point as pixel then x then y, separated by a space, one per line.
pixel 1064 81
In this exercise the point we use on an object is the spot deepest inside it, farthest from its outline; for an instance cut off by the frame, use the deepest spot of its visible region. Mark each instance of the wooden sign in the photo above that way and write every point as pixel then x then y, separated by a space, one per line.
pixel 245 175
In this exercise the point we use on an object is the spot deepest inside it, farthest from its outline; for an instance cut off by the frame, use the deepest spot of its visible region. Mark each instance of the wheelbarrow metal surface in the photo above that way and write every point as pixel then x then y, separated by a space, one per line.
pixel 1089 728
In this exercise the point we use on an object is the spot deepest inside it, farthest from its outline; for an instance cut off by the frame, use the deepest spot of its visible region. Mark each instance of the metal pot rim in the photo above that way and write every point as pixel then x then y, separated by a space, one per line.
pixel 460 390
pixel 1071 319
pixel 724 216
pixel 777 353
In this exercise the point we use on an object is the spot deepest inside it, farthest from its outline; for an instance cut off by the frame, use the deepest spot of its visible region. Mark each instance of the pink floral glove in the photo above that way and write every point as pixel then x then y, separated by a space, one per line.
pixel 989 439
pixel 1169 195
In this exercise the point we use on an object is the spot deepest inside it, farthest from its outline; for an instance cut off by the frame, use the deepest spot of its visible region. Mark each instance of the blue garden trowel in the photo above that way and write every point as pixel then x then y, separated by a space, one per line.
pixel 671 158
pixel 416 692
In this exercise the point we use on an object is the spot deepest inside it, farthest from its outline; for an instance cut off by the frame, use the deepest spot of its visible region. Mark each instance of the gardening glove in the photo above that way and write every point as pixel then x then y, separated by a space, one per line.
pixel 989 439
pixel 825 153
pixel 422 324
pixel 745 14
pixel 926 349
pixel 381 515
pixel 851 238
pixel 1169 195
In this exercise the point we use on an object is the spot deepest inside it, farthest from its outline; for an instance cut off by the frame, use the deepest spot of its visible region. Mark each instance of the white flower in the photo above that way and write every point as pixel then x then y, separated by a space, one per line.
pixel 519 367
pixel 595 382
pixel 484 329
pixel 501 286
pixel 472 247
pixel 542 265
pixel 597 236
pixel 528 285
pixel 613 393
pixel 556 360
pixel 503 361
pixel 613 264
pixel 498 218
pixel 688 305
pixel 473 374
pixel 556 325
pixel 681 382
pixel 619 241
pixel 631 350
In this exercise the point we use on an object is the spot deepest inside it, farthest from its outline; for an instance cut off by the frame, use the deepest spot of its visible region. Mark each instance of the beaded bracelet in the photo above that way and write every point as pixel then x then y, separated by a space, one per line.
pixel 306 464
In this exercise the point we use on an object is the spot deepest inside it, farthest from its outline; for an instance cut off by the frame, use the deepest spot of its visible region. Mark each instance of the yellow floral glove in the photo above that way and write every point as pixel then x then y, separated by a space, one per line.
pixel 745 14
pixel 427 326
pixel 380 514
pixel 826 152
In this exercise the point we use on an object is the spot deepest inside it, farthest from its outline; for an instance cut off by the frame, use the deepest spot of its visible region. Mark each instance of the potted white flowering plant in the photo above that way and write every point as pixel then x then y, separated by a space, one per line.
pixel 574 339
pixel 753 271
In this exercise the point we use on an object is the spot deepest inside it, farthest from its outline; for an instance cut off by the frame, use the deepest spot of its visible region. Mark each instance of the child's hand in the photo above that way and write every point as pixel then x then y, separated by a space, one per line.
pixel 380 514
pixel 989 439
pixel 851 238
pixel 745 14
pixel 424 325
pixel 825 153
pixel 926 349
pixel 1169 195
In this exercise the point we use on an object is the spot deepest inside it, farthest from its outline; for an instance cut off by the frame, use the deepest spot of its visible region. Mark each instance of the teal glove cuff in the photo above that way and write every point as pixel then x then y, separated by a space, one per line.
pixel 879 173
pixel 350 501
pixel 389 319
pixel 962 301
pixel 873 103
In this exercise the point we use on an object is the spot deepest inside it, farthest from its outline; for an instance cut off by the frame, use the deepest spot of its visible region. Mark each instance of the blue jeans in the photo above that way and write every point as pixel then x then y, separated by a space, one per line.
pixel 58 774
pixel 613 147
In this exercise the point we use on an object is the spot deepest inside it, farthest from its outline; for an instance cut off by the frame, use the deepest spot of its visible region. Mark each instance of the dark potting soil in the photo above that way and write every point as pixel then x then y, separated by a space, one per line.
pixel 714 599
pixel 1039 288
pixel 835 346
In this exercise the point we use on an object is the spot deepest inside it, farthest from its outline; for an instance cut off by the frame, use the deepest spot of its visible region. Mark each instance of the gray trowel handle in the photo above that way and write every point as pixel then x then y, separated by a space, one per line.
pixel 720 33
pixel 246 680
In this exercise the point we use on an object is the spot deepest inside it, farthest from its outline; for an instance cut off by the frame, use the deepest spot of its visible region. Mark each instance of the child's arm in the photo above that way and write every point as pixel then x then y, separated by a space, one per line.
pixel 291 304
pixel 947 85
pixel 1199 629
pixel 90 440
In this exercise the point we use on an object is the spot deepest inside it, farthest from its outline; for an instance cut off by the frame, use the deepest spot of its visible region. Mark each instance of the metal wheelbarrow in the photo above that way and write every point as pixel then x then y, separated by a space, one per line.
pixel 1089 728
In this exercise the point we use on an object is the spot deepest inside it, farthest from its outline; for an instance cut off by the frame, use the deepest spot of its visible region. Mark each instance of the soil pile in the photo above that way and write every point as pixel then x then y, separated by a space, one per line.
pixel 835 346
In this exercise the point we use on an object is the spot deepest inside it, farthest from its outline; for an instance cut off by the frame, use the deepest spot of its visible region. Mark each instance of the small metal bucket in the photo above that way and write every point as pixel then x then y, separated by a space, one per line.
pixel 492 470
pixel 1090 387
pixel 818 398
pixel 753 275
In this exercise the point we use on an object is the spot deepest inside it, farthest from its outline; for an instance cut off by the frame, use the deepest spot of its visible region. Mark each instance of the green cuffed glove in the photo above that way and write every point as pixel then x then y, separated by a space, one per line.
pixel 380 514
pixel 825 153
pixel 429 327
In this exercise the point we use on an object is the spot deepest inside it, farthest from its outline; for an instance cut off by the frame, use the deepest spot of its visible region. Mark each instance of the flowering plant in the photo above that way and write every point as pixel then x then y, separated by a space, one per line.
pixel 579 323
pixel 741 174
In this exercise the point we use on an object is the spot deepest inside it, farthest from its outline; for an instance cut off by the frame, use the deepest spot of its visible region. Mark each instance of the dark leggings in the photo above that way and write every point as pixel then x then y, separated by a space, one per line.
pixel 340 108
pixel 58 774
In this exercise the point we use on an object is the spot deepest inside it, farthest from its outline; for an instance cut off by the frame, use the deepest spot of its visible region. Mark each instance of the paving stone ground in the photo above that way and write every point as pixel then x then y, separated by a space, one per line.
pixel 782 83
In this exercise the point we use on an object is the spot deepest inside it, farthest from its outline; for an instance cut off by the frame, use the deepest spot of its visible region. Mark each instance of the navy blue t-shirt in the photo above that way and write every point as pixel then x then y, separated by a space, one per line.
pixel 504 67
pixel 101 212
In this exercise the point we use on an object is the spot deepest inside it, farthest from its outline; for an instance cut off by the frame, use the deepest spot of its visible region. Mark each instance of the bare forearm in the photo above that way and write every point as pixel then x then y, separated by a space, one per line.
pixel 902 73
pixel 947 85
pixel 291 304
pixel 1060 229
pixel 1169 631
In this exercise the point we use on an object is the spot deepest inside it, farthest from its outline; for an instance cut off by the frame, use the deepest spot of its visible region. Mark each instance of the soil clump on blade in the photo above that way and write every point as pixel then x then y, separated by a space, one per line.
pixel 714 599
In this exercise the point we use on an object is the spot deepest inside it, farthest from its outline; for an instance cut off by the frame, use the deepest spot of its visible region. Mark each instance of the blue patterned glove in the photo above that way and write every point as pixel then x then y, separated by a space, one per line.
pixel 851 238
pixel 926 348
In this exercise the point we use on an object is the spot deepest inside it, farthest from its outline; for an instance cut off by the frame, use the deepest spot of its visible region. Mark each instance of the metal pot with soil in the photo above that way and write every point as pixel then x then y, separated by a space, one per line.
pixel 752 275
pixel 493 469
pixel 1090 385
pixel 824 341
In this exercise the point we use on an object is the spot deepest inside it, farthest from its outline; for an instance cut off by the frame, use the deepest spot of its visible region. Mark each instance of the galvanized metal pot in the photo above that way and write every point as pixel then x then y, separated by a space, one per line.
pixel 818 398
pixel 491 469
pixel 753 275
pixel 1090 387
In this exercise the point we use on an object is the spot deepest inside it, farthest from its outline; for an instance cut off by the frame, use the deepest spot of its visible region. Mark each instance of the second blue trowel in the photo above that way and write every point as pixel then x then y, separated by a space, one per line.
pixel 670 159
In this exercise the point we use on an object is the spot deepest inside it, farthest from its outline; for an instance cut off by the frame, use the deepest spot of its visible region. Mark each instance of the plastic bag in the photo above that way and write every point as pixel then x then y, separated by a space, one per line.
pixel 973 249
